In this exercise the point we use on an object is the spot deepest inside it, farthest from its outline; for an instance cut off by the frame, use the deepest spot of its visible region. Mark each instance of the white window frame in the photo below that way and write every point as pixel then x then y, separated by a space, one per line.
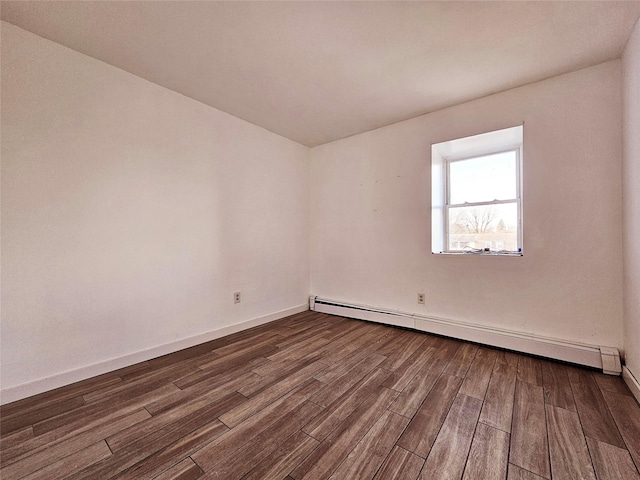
pixel 468 148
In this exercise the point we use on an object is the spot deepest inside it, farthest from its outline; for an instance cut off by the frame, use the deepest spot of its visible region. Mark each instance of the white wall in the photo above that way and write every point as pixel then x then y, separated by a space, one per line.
pixel 130 215
pixel 370 215
pixel 631 201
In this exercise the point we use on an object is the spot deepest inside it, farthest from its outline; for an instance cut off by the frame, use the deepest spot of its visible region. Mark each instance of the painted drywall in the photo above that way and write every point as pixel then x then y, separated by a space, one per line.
pixel 631 200
pixel 130 214
pixel 370 215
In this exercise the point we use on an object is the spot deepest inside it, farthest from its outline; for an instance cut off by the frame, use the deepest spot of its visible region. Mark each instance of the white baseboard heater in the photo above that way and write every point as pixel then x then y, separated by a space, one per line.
pixel 605 358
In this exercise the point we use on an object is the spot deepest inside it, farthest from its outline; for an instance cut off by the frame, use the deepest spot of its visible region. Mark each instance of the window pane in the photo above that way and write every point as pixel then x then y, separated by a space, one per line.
pixel 487 226
pixel 483 179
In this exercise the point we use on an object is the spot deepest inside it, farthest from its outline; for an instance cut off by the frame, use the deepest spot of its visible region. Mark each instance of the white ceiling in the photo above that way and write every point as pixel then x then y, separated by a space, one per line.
pixel 319 71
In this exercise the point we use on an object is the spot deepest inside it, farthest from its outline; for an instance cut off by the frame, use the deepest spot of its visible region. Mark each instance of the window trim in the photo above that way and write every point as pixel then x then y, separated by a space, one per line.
pixel 444 189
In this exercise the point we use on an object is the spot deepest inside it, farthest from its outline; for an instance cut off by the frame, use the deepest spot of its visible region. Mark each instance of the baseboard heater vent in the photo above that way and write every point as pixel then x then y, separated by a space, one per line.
pixel 605 358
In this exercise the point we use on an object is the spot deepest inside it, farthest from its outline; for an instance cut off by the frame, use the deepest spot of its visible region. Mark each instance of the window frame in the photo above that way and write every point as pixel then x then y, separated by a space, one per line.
pixel 443 190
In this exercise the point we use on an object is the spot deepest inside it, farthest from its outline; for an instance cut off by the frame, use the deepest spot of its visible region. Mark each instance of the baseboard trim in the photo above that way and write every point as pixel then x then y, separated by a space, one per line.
pixel 18 392
pixel 606 358
pixel 631 382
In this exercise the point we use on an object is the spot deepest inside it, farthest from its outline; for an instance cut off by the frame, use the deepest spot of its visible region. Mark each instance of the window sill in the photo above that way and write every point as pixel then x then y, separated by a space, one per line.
pixel 478 254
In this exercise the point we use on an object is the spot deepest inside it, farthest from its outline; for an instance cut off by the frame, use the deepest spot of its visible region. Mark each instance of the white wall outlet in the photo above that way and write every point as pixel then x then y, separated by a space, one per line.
pixel 421 298
pixel 236 297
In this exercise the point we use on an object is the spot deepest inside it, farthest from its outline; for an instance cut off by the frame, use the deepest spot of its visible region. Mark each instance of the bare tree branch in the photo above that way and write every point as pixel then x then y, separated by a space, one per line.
pixel 477 219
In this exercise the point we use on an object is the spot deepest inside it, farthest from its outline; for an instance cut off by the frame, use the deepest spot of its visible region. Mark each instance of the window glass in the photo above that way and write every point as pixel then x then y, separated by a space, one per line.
pixel 486 226
pixel 483 179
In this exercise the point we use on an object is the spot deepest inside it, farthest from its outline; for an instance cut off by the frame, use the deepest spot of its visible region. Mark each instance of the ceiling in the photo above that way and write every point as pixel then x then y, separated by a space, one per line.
pixel 315 72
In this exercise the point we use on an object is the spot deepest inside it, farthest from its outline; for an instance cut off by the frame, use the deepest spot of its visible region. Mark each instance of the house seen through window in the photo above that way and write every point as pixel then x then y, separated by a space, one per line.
pixel 477 194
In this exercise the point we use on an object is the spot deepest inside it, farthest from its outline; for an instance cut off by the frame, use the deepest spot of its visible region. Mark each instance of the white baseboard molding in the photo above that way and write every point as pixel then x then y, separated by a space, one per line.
pixel 632 382
pixel 605 358
pixel 18 392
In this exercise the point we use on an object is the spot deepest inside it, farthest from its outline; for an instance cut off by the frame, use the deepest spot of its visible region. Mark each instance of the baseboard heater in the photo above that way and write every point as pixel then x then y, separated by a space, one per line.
pixel 605 358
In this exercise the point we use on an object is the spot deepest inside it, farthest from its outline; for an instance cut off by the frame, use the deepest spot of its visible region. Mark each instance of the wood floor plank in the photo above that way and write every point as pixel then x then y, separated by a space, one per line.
pixel 610 462
pixel 163 438
pixel 400 464
pixel 148 451
pixel 626 414
pixel 404 373
pixel 226 444
pixel 260 447
pixel 282 461
pixel 257 403
pixel 506 364
pixel 105 407
pixel 332 416
pixel 59 395
pixel 71 463
pixel 214 377
pixel 414 343
pixel 298 336
pixel 369 454
pixel 505 357
pixel 557 390
pixel 462 359
pixel 139 386
pixel 284 366
pixel 185 470
pixel 337 398
pixel 436 364
pixel 255 341
pixel 188 353
pixel 425 425
pixel 18 421
pixel 281 366
pixel 337 388
pixel 339 368
pixel 448 456
pixel 595 417
pixel 497 409
pixel 529 370
pixel 567 446
pixel 346 329
pixel 50 453
pixel 396 340
pixel 232 360
pixel 167 456
pixel 322 325
pixel 10 440
pixel 362 334
pixel 411 398
pixel 299 350
pixel 137 370
pixel 611 383
pixel 479 373
pixel 61 428
pixel 489 454
pixel 323 461
pixel 517 473
pixel 214 388
pixel 257 384
pixel 213 404
pixel 529 448
pixel 446 348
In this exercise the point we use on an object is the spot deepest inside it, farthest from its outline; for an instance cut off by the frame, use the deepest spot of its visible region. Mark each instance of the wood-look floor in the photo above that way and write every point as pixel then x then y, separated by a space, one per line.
pixel 314 396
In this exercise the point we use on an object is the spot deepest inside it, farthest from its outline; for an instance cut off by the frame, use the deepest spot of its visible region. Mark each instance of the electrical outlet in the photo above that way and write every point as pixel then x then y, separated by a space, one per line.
pixel 421 298
pixel 236 297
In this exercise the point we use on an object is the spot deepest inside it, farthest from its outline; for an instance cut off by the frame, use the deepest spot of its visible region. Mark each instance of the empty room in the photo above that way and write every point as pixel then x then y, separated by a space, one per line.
pixel 320 240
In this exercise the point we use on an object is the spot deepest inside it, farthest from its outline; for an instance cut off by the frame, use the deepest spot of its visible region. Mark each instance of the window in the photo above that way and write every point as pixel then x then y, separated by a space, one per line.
pixel 477 194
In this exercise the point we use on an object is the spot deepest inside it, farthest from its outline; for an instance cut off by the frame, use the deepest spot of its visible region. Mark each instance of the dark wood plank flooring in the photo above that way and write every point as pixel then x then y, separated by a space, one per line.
pixel 314 396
